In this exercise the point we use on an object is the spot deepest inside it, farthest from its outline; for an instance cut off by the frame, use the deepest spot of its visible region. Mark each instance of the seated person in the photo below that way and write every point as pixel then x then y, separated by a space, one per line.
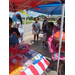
pixel 13 34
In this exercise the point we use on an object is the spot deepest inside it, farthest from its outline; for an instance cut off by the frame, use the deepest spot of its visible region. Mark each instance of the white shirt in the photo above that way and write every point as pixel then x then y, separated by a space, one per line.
pixel 19 25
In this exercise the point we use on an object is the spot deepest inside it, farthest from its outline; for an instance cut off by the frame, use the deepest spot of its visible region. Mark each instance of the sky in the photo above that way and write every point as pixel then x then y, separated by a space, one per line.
pixel 30 13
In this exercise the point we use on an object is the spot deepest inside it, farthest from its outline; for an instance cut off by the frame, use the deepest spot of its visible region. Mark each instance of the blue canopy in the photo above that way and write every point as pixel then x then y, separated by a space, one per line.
pixel 50 9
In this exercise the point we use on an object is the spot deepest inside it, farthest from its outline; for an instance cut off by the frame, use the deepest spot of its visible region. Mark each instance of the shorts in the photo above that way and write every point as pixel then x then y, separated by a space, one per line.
pixel 36 32
pixel 44 39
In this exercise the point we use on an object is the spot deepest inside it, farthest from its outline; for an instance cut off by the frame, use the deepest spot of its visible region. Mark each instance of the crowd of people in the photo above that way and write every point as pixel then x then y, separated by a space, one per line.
pixel 48 28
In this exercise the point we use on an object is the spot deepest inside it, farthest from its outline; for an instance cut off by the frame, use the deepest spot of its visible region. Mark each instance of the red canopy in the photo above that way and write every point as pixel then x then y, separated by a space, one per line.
pixel 15 5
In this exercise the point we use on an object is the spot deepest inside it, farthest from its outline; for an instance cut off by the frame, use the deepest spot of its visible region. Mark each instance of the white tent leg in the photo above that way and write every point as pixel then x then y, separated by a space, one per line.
pixel 24 28
pixel 60 36
pixel 51 18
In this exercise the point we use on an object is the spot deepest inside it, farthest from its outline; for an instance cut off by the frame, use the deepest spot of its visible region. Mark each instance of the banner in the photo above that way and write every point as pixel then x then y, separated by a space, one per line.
pixel 14 18
pixel 23 12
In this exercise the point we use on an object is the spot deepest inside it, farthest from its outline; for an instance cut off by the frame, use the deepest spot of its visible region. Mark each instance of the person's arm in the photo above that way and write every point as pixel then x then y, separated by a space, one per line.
pixel 16 32
pixel 18 36
pixel 56 40
pixel 44 25
pixel 39 28
pixel 32 30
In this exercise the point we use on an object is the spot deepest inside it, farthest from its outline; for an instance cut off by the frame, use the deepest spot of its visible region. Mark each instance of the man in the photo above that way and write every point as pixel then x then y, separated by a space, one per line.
pixel 13 34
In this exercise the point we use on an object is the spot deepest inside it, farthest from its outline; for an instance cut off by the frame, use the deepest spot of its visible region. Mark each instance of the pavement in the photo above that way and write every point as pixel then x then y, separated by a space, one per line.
pixel 28 38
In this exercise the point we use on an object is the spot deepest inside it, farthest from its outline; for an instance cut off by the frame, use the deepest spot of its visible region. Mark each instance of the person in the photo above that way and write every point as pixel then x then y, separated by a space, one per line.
pixel 50 28
pixel 44 39
pixel 18 25
pixel 36 29
pixel 45 24
pixel 13 32
pixel 56 28
pixel 62 53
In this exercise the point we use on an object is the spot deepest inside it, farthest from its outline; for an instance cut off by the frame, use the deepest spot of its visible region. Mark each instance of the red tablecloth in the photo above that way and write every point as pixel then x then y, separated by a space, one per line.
pixel 36 69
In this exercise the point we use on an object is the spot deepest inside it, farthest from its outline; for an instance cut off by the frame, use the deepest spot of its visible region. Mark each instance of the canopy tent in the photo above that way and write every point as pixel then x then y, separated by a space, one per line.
pixel 50 9
pixel 15 5
pixel 54 9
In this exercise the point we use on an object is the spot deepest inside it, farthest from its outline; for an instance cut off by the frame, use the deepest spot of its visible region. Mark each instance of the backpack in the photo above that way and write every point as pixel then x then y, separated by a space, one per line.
pixel 51 44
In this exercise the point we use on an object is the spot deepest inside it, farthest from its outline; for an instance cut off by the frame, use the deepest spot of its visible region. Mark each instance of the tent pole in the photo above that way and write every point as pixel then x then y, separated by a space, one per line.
pixel 24 28
pixel 51 18
pixel 62 18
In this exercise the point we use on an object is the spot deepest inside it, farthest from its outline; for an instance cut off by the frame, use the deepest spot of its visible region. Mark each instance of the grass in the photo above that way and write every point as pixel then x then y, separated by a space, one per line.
pixel 51 21
pixel 27 22
pixel 30 21
pixel 24 21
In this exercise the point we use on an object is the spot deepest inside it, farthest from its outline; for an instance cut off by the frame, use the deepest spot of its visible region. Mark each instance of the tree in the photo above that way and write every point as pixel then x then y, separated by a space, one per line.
pixel 30 18
pixel 42 16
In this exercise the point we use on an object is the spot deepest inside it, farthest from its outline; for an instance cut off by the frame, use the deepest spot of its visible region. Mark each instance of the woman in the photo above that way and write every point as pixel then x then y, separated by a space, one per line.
pixel 13 35
pixel 18 25
pixel 56 40
pixel 36 29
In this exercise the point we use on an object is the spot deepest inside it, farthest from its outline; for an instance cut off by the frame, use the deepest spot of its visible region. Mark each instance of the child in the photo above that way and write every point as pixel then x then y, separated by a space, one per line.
pixel 44 38
pixel 56 28
pixel 36 29
pixel 59 23
pixel 50 28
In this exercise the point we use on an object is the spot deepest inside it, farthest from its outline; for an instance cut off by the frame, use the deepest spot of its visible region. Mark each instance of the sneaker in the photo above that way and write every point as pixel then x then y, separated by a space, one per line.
pixel 60 73
pixel 37 43
pixel 44 46
pixel 33 41
pixel 48 70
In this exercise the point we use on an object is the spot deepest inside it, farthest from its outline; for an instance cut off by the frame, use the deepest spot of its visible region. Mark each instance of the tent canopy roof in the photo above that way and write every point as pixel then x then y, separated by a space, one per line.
pixel 50 9
pixel 15 5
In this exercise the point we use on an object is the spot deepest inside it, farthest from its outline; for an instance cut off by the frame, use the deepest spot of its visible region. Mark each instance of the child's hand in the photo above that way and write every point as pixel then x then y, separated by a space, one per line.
pixel 10 36
pixel 15 33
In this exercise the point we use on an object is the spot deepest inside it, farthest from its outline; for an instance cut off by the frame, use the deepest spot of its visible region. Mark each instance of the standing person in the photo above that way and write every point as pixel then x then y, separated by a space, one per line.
pixel 56 28
pixel 44 39
pixel 50 28
pixel 36 29
pixel 13 34
pixel 56 39
pixel 18 25
pixel 45 24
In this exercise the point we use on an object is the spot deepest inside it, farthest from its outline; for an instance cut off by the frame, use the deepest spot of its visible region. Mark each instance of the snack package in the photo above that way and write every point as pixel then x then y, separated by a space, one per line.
pixel 27 64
